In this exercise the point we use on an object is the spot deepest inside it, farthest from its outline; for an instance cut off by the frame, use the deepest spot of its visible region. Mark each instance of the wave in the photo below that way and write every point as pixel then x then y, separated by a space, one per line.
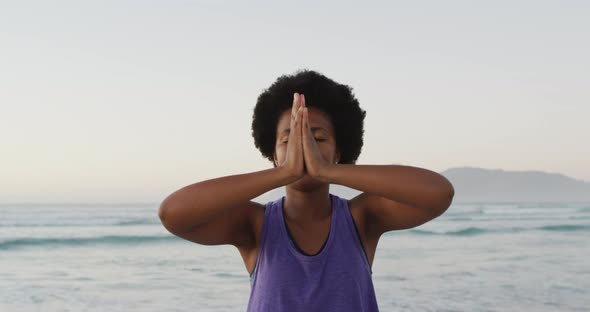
pixel 464 232
pixel 83 241
pixel 565 227
pixel 85 224
pixel 470 231
pixel 138 222
pixel 529 211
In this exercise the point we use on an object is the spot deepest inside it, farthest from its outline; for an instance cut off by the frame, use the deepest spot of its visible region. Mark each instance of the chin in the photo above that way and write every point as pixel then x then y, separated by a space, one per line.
pixel 307 183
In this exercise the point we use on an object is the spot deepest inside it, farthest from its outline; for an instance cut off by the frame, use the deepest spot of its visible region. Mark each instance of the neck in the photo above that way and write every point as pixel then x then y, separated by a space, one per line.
pixel 308 206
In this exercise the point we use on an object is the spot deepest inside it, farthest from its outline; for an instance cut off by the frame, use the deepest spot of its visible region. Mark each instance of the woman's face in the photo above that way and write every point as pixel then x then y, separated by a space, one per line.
pixel 322 130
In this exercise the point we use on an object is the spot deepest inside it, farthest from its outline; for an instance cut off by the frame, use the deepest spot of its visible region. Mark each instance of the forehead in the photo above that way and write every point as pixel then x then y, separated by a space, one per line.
pixel 317 118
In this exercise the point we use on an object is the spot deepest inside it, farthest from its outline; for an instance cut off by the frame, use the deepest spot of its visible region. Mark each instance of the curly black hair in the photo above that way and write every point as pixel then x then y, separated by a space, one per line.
pixel 335 99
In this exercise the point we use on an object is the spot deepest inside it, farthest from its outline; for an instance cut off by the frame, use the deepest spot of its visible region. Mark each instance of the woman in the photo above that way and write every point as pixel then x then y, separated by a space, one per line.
pixel 309 250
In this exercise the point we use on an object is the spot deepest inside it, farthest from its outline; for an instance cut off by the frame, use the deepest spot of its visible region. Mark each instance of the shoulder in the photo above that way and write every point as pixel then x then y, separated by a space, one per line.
pixel 249 252
pixel 360 210
pixel 357 209
pixel 256 217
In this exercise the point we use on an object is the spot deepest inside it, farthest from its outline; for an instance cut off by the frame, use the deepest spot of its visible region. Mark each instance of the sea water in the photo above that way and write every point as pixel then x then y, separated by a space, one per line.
pixel 475 257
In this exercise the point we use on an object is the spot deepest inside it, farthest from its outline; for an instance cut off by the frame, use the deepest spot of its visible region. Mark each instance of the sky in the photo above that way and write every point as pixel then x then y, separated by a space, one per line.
pixel 128 101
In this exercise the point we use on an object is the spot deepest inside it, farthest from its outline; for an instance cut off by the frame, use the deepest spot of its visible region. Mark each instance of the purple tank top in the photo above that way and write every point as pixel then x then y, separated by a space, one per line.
pixel 337 278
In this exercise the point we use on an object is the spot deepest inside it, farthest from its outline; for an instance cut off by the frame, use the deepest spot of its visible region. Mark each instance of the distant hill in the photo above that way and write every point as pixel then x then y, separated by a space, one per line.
pixel 496 185
pixel 478 185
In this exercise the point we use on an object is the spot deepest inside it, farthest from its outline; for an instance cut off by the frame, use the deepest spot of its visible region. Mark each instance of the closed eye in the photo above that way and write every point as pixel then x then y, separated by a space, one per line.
pixel 319 140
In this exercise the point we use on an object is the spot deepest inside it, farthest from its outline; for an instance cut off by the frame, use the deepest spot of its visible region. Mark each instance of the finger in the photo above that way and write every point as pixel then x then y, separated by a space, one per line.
pixel 304 123
pixel 308 140
pixel 300 125
pixel 300 129
pixel 307 136
pixel 293 136
pixel 296 122
pixel 296 100
pixel 305 119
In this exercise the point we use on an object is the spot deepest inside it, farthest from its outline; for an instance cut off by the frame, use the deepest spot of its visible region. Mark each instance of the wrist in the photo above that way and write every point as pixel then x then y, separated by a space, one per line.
pixel 326 173
pixel 285 175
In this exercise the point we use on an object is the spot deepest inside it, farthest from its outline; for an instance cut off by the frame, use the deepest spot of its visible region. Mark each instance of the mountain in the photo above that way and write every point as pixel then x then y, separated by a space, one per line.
pixel 496 185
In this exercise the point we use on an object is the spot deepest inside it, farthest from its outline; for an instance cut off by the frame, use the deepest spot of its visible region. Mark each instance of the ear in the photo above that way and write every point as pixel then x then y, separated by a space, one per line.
pixel 337 156
pixel 275 161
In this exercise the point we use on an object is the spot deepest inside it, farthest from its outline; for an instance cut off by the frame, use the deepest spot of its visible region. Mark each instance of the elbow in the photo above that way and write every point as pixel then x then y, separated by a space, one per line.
pixel 450 193
pixel 173 216
pixel 163 214
pixel 166 215
pixel 445 197
pixel 448 190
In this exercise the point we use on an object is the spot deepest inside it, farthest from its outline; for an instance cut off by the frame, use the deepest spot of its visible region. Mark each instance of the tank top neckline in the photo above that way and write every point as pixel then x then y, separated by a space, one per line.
pixel 326 246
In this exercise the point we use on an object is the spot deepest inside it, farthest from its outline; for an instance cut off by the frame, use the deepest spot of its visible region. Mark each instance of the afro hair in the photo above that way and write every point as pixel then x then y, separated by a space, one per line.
pixel 335 99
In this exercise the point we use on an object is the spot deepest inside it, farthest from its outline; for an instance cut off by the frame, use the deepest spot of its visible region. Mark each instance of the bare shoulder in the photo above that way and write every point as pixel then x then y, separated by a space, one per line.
pixel 374 214
pixel 253 215
pixel 369 238
pixel 249 252
pixel 358 210
pixel 256 216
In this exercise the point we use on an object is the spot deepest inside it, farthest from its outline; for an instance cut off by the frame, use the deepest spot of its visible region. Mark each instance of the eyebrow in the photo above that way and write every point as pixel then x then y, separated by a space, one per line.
pixel 312 129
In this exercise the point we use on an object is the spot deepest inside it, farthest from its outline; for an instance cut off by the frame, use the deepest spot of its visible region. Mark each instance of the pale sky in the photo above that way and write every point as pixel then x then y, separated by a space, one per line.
pixel 117 101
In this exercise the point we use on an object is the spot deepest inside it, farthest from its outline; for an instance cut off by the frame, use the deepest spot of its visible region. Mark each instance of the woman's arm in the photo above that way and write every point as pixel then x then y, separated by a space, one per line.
pixel 396 197
pixel 198 204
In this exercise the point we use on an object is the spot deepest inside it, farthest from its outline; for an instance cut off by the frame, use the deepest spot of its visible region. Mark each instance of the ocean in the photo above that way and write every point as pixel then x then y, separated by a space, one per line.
pixel 118 257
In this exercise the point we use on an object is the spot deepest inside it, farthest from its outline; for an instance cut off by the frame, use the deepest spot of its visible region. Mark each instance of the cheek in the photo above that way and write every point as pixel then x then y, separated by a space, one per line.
pixel 327 148
pixel 327 154
pixel 280 151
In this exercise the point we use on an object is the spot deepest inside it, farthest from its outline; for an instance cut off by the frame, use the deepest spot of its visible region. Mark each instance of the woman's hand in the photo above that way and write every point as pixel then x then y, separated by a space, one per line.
pixel 315 163
pixel 294 161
